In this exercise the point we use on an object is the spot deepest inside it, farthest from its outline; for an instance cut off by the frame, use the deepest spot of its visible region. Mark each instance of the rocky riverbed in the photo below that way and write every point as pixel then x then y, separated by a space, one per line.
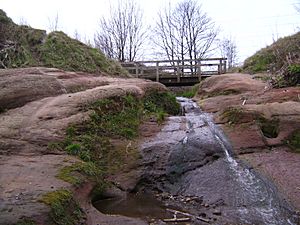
pixel 189 167
pixel 187 172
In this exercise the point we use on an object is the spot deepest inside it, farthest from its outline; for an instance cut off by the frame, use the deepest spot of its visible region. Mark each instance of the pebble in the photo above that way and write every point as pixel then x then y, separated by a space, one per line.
pixel 217 212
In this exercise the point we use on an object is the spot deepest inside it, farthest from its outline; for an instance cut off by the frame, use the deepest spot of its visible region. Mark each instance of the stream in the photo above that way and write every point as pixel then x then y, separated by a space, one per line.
pixel 190 173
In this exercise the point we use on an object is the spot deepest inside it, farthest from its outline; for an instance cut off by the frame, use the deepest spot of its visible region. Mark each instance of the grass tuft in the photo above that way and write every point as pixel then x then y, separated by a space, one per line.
pixel 26 221
pixel 190 93
pixel 269 128
pixel 294 141
pixel 233 115
pixel 64 209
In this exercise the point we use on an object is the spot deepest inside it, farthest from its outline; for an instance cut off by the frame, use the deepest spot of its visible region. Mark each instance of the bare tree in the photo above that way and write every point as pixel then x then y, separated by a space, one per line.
pixel 122 35
pixel 77 35
pixel 23 22
pixel 228 50
pixel 53 23
pixel 165 37
pixel 184 32
pixel 297 7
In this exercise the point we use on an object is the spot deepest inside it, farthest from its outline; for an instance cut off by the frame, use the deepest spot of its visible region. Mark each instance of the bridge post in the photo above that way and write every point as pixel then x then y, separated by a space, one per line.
pixel 225 66
pixel 157 71
pixel 136 70
pixel 198 62
pixel 178 72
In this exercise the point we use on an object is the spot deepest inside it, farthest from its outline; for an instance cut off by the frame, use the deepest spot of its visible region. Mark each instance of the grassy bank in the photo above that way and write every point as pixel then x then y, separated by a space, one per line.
pixel 24 46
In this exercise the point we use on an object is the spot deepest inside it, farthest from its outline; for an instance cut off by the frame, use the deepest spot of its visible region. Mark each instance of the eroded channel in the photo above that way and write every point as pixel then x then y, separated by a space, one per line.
pixel 193 178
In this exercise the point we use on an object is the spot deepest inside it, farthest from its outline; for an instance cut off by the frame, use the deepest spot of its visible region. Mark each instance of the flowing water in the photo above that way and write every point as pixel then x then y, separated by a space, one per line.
pixel 259 193
pixel 191 157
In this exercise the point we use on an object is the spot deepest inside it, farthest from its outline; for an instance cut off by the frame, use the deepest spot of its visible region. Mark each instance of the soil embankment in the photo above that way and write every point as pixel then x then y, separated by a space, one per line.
pixel 259 121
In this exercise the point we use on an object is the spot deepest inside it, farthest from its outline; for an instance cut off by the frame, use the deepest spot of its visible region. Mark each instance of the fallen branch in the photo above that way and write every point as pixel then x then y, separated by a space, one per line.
pixel 177 219
pixel 188 214
pixel 179 212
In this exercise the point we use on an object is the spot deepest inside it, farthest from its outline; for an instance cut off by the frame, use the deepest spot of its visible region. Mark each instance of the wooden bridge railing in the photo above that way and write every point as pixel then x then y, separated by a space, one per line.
pixel 179 69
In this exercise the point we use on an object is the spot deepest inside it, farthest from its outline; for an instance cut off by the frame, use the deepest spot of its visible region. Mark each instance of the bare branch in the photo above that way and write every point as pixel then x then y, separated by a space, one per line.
pixel 184 32
pixel 122 35
pixel 228 50
pixel 53 23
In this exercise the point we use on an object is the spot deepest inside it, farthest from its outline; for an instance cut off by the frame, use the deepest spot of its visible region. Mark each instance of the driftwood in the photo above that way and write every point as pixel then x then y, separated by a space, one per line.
pixel 186 214
pixel 177 219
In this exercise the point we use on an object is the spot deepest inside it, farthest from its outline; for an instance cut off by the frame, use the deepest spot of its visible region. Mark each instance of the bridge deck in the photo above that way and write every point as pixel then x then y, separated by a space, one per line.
pixel 177 72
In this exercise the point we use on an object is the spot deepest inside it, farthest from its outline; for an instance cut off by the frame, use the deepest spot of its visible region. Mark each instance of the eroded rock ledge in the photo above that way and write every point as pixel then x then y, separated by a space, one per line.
pixel 260 122
pixel 37 105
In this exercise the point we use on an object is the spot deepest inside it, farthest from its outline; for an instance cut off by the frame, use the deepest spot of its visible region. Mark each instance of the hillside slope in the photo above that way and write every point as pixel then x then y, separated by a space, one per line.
pixel 23 46
pixel 282 58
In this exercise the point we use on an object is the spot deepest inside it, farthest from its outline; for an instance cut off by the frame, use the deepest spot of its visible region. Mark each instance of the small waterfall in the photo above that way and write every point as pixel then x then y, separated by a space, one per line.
pixel 264 199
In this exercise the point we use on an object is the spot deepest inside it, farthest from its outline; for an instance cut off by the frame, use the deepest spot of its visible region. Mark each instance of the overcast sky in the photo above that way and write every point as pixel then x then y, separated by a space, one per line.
pixel 252 23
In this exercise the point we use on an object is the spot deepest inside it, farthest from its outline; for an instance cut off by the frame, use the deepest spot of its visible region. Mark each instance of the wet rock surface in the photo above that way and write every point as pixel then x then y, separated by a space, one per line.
pixel 269 155
pixel 189 165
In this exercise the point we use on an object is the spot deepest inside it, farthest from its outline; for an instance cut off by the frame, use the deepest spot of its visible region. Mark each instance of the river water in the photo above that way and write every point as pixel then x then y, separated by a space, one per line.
pixel 190 166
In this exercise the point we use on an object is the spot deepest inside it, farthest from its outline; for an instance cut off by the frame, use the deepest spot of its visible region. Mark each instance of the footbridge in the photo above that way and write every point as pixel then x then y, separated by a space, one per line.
pixel 177 72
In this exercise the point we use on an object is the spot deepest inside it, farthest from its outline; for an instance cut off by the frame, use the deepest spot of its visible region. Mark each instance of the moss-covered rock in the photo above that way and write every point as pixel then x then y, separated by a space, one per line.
pixel 294 141
pixel 64 209
pixel 105 141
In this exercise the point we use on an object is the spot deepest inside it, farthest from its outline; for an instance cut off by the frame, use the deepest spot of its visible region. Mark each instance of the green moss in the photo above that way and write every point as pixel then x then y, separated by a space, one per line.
pixel 269 128
pixel 161 101
pixel 294 141
pixel 56 197
pixel 77 173
pixel 116 118
pixel 190 93
pixel 26 221
pixel 67 174
pixel 64 210
pixel 233 115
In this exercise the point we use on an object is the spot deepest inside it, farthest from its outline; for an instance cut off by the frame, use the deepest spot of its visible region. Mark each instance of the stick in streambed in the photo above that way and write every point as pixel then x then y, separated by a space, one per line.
pixel 188 214
pixel 177 219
